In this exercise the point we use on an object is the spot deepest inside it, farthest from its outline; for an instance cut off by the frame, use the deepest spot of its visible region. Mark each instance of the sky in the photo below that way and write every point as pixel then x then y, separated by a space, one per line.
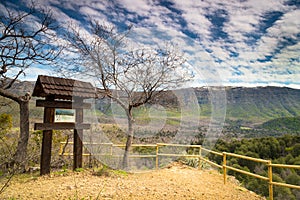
pixel 231 43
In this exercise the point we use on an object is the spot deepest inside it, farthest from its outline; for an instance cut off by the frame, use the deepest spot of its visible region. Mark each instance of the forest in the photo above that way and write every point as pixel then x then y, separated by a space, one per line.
pixel 281 150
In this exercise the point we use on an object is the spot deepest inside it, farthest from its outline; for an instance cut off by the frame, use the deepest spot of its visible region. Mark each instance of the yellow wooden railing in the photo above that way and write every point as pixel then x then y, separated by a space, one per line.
pixel 224 165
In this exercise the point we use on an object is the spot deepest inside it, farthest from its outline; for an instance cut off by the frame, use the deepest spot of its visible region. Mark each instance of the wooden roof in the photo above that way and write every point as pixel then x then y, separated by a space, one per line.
pixel 61 88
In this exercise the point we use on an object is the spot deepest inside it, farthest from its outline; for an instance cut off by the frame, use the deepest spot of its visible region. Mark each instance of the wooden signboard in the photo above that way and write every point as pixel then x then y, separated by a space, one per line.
pixel 63 109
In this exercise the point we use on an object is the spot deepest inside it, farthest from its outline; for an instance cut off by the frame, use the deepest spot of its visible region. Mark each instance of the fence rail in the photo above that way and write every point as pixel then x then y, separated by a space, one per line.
pixel 224 165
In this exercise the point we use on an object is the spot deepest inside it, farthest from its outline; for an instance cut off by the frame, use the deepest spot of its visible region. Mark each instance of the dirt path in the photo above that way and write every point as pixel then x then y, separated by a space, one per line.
pixel 176 182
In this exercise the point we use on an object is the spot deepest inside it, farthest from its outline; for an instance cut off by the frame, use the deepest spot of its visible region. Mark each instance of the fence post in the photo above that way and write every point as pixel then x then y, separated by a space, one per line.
pixel 224 167
pixel 156 161
pixel 270 175
pixel 200 158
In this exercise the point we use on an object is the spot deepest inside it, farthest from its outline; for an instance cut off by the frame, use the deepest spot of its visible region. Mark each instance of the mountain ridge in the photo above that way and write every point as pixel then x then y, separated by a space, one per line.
pixel 257 104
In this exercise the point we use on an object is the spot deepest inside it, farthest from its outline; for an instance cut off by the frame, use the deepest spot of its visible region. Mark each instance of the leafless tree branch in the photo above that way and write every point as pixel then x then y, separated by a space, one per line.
pixel 26 38
pixel 129 77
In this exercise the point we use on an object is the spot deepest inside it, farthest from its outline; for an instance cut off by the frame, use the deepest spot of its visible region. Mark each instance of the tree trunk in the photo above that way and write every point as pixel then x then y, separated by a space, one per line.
pixel 21 152
pixel 128 142
pixel 19 158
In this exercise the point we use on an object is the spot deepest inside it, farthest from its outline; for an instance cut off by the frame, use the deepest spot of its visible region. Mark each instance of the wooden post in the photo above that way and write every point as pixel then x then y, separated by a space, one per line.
pixel 47 142
pixel 78 134
pixel 270 175
pixel 200 158
pixel 224 168
pixel 156 160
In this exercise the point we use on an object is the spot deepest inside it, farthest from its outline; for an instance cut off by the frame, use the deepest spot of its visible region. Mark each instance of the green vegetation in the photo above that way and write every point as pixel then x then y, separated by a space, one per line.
pixel 262 103
pixel 7 142
pixel 282 150
pixel 79 170
pixel 284 124
pixel 5 124
pixel 275 127
pixel 12 108
pixel 106 171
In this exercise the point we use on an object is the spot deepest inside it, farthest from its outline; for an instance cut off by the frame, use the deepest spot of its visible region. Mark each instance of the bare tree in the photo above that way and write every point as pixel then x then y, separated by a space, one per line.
pixel 26 39
pixel 129 76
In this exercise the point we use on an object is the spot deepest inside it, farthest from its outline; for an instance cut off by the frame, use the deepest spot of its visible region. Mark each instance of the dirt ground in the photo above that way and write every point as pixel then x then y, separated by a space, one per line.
pixel 175 182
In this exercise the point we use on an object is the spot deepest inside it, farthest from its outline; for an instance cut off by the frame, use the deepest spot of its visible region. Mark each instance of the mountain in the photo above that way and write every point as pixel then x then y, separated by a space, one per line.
pixel 255 105
pixel 262 103
pixel 22 87
pixel 258 104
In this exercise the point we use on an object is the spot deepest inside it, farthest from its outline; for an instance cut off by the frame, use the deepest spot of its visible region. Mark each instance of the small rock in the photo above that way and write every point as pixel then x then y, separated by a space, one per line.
pixel 70 187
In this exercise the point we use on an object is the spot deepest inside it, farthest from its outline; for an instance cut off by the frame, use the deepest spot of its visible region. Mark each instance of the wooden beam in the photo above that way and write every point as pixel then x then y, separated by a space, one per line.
pixel 60 126
pixel 62 104
pixel 46 143
pixel 78 146
pixel 77 149
pixel 46 152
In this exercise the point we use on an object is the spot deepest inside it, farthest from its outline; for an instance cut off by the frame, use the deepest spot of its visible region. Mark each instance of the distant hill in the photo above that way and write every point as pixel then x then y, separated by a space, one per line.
pixel 263 103
pixel 257 105
pixel 21 87
pixel 284 124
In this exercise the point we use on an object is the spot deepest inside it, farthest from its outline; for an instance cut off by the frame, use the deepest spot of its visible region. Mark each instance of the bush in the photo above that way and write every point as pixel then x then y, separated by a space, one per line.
pixel 7 142
pixel 5 124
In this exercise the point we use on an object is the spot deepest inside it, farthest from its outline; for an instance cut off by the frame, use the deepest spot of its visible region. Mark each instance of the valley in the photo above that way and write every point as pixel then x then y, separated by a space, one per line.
pixel 262 122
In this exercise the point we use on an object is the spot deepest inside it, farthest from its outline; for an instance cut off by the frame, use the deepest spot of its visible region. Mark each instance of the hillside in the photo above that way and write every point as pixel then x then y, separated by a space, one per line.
pixel 263 103
pixel 21 87
pixel 251 105
pixel 175 182
pixel 257 104
pixel 284 124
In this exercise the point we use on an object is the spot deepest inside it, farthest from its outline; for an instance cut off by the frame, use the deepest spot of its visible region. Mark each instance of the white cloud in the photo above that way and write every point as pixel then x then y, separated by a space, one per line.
pixel 243 18
pixel 32 73
pixel 142 7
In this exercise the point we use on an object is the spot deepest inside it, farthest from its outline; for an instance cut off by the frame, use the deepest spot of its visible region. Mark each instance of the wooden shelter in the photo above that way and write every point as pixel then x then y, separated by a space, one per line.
pixel 61 93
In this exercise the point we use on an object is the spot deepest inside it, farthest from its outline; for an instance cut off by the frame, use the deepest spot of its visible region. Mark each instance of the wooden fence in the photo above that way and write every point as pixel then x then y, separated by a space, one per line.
pixel 201 159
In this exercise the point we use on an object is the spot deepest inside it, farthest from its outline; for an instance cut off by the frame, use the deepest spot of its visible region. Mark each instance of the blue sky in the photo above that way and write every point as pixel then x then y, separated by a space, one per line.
pixel 229 43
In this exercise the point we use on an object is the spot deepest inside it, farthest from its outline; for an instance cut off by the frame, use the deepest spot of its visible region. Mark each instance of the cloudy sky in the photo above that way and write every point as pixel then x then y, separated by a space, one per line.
pixel 236 43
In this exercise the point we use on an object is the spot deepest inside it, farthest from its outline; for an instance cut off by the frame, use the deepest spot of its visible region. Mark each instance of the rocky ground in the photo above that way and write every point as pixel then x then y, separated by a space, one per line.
pixel 174 182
